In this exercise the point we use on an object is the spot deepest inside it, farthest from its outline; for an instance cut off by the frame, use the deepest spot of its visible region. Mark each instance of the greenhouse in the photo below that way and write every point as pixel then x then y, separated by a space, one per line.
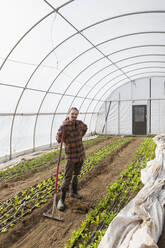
pixel 106 59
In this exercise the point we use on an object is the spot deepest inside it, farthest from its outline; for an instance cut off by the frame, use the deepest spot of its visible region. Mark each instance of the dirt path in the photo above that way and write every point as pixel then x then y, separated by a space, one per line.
pixel 39 232
pixel 7 190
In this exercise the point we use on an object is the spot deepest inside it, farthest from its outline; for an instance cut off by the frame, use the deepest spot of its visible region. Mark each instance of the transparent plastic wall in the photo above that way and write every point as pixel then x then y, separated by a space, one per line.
pixel 115 115
pixel 64 53
pixel 158 106
pixel 43 72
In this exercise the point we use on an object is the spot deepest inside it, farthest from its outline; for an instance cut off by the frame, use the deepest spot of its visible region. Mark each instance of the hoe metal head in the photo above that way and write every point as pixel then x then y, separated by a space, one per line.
pixel 51 216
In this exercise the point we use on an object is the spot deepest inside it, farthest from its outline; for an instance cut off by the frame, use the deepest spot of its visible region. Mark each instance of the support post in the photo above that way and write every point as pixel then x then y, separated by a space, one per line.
pixel 106 117
pixel 150 105
pixel 119 115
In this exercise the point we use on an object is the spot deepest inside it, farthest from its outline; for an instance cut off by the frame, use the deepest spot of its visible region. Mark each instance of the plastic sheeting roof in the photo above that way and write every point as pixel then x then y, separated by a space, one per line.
pixel 56 54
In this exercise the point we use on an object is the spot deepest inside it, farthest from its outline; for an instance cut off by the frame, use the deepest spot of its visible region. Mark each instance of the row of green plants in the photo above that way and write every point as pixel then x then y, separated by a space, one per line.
pixel 33 164
pixel 102 153
pixel 119 193
pixel 25 201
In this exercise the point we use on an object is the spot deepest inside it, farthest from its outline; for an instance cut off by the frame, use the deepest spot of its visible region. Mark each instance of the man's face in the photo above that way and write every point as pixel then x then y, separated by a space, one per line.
pixel 73 115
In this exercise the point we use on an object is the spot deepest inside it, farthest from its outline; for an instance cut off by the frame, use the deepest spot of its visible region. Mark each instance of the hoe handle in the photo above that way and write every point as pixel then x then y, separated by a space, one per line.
pixel 58 164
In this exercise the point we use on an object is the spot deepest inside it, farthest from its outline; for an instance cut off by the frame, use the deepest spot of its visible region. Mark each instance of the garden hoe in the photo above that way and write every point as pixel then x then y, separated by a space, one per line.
pixel 52 215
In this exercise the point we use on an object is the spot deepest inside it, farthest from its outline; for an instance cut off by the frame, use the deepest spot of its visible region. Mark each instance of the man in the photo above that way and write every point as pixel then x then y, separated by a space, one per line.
pixel 72 130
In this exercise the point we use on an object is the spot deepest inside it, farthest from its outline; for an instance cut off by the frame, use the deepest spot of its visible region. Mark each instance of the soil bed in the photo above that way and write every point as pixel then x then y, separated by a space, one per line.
pixel 15 185
pixel 37 231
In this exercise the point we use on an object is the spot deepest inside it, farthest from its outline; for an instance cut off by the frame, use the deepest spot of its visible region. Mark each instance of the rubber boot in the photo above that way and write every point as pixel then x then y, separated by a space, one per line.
pixel 61 205
pixel 73 191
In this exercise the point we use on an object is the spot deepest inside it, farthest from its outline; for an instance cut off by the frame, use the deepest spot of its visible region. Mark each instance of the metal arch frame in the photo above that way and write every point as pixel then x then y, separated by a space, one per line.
pixel 139 46
pixel 126 15
pixel 125 84
pixel 90 26
pixel 121 74
pixel 160 32
pixel 27 85
pixel 96 62
pixel 90 41
pixel 158 72
pixel 78 32
pixel 156 67
pixel 88 80
pixel 146 55
pixel 21 87
pixel 13 48
pixel 137 56
pixel 114 79
pixel 63 5
pixel 136 78
pixel 108 19
pixel 145 77
pixel 44 91
pixel 100 69
pixel 27 32
pixel 12 125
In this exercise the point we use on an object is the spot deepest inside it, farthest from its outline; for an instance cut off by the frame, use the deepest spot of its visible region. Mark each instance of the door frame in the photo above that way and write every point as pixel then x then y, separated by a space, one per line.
pixel 145 119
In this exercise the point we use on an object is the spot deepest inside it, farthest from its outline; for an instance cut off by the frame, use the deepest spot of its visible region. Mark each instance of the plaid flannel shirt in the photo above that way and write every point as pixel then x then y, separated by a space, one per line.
pixel 73 133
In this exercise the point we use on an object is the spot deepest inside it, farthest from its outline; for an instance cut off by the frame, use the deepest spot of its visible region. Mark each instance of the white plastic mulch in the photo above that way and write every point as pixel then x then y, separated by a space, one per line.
pixel 140 223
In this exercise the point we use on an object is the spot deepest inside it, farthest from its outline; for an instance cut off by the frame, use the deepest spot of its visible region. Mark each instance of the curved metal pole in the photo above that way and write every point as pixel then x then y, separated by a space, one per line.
pixel 33 71
pixel 56 10
pixel 125 15
pixel 58 104
pixel 19 99
pixel 54 81
pixel 128 14
pixel 94 63
pixel 49 87
pixel 114 79
pixel 82 33
pixel 63 5
pixel 158 72
pixel 88 39
pixel 105 67
pixel 146 67
pixel 43 99
pixel 55 47
pixel 142 73
pixel 138 56
pixel 35 25
pixel 100 69
pixel 29 30
pixel 147 32
pixel 82 30
pixel 126 66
